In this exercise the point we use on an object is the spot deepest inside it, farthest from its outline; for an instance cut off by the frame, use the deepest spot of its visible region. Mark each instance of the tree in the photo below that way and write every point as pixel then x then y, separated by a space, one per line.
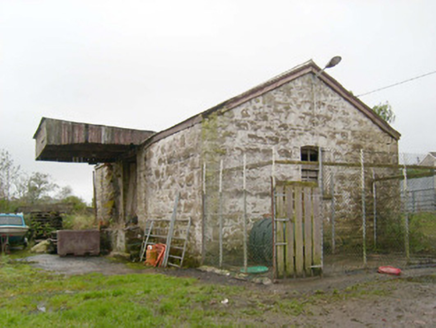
pixel 39 187
pixel 65 192
pixel 9 174
pixel 79 206
pixel 385 112
pixel 17 188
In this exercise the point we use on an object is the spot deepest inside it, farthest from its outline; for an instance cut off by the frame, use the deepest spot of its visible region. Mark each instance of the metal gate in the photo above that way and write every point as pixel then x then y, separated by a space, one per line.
pixel 297 230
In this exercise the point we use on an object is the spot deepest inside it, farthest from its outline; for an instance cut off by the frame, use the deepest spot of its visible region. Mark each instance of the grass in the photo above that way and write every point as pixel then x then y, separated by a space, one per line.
pixel 34 298
pixel 422 228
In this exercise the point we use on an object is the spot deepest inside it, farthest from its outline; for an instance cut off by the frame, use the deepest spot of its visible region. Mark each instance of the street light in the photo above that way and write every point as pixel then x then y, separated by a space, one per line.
pixel 332 63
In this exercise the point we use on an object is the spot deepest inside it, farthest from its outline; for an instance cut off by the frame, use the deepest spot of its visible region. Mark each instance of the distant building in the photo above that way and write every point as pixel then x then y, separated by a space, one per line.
pixel 429 160
pixel 421 195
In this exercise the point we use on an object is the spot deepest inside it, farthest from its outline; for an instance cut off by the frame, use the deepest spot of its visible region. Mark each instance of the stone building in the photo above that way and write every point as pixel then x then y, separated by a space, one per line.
pixel 297 115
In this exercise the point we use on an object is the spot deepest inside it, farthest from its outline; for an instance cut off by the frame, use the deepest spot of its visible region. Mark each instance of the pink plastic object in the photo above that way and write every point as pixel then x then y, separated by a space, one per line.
pixel 389 270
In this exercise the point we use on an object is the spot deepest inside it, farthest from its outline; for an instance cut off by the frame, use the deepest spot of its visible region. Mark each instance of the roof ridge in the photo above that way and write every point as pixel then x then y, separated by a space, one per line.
pixel 281 75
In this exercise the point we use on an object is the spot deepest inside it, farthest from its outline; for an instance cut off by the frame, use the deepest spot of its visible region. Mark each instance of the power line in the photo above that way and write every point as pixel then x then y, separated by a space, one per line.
pixel 395 84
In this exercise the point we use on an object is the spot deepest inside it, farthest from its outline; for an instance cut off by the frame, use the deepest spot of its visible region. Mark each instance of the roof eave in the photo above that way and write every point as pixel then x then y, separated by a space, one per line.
pixel 356 102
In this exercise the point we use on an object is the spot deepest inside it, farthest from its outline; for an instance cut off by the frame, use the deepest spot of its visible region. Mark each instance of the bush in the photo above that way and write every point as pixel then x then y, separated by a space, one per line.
pixel 79 222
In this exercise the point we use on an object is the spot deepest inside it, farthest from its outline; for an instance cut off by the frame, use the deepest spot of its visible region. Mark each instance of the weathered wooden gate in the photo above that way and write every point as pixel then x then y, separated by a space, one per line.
pixel 298 237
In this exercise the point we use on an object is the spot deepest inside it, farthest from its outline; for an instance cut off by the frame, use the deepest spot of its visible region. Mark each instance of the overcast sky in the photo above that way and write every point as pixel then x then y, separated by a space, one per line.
pixel 151 64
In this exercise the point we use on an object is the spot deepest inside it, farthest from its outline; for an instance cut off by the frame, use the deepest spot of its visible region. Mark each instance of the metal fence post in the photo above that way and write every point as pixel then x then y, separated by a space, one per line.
pixel 374 194
pixel 362 164
pixel 245 212
pixel 406 206
pixel 320 175
pixel 221 215
pixel 413 193
pixel 273 167
pixel 333 211
pixel 320 206
pixel 203 237
pixel 434 190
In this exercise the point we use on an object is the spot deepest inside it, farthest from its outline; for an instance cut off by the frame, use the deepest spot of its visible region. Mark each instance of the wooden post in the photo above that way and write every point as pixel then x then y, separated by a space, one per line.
pixel 307 230
pixel 121 218
pixel 94 201
pixel 280 241
pixel 273 223
pixel 290 254
pixel 299 256
pixel 317 231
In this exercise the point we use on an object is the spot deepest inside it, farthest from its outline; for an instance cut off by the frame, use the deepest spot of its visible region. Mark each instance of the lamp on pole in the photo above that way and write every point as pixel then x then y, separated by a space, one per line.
pixel 332 63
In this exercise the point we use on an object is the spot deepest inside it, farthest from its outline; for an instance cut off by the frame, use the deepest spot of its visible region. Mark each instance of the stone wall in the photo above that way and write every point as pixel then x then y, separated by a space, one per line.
pixel 111 193
pixel 170 166
pixel 105 193
pixel 303 112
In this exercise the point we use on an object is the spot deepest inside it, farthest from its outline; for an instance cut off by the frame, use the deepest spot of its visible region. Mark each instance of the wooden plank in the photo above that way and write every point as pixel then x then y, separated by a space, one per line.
pixel 280 235
pixel 307 230
pixel 290 263
pixel 299 256
pixel 316 228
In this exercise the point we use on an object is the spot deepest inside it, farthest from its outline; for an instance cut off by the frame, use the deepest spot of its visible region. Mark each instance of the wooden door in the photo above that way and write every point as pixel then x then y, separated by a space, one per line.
pixel 298 238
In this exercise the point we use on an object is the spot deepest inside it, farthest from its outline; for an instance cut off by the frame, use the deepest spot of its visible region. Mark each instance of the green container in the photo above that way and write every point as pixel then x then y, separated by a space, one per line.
pixel 260 244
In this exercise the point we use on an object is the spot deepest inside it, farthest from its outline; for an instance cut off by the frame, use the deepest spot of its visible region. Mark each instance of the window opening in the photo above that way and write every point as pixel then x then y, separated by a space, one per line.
pixel 309 172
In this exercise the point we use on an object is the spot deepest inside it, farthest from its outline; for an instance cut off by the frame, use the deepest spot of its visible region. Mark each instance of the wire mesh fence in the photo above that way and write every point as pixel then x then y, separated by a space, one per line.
pixel 374 209
pixel 237 210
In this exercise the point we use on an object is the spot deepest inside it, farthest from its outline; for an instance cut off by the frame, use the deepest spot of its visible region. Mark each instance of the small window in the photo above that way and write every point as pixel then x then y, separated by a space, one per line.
pixel 309 154
pixel 309 172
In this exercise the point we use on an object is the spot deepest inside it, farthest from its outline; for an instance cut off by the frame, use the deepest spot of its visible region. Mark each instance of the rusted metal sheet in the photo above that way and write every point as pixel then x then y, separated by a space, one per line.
pixel 78 242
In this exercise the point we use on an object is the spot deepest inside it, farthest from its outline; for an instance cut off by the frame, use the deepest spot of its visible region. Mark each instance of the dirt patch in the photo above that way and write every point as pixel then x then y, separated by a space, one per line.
pixel 79 265
pixel 393 303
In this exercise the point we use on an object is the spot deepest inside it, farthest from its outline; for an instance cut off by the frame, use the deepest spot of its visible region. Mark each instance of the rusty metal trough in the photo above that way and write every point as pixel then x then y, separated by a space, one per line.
pixel 78 242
